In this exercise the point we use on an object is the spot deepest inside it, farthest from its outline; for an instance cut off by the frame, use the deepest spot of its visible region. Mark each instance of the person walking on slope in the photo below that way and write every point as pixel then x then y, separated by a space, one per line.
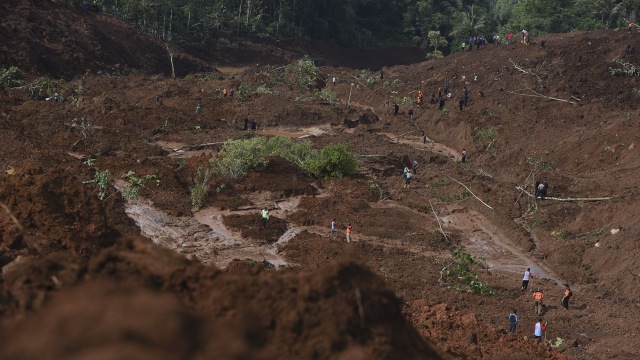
pixel 538 329
pixel 525 279
pixel 414 166
pixel 538 304
pixel 333 229
pixel 407 179
pixel 349 229
pixel 265 216
pixel 463 158
pixel 513 321
pixel 567 295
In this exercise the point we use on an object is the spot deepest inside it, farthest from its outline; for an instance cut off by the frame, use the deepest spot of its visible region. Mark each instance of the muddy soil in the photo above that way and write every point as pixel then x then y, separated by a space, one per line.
pixel 291 290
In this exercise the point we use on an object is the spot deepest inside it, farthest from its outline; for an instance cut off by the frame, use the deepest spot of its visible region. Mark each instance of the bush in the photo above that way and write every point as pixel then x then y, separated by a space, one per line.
pixel 43 87
pixel 462 274
pixel 238 157
pixel 333 161
pixel 305 72
pixel 200 187
pixel 11 77
pixel 328 96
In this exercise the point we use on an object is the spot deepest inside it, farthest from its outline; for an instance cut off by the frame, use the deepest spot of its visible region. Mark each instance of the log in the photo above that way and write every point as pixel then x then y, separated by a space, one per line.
pixel 566 199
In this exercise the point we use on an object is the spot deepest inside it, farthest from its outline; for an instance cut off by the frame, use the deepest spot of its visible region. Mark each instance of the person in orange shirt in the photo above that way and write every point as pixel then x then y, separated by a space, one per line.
pixel 538 305
pixel 349 228
pixel 630 26
pixel 567 295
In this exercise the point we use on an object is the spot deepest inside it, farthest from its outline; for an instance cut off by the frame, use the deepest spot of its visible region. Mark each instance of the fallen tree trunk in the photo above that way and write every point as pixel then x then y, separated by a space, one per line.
pixel 567 199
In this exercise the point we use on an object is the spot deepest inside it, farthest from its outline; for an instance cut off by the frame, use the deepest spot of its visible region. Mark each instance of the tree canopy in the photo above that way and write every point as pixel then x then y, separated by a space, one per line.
pixel 367 23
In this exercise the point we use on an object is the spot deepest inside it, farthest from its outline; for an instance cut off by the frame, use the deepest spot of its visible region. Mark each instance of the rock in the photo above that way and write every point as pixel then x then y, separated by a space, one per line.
pixel 614 231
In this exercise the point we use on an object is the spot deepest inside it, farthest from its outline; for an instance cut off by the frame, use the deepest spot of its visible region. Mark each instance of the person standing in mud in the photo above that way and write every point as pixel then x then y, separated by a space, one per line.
pixel 414 166
pixel 535 189
pixel 539 329
pixel 410 113
pixel 567 295
pixel 254 125
pixel 348 232
pixel 334 228
pixel 538 304
pixel 442 102
pixel 540 191
pixel 513 321
pixel 198 110
pixel 265 216
pixel 463 158
pixel 525 279
pixel 396 108
pixel 461 103
pixel 424 137
pixel 246 123
pixel 407 179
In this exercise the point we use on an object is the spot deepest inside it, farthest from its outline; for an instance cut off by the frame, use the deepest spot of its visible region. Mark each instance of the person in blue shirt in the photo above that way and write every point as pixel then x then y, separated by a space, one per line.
pixel 513 321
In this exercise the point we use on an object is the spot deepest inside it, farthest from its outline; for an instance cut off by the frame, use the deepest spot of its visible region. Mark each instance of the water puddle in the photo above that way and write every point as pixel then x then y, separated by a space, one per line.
pixel 297 133
pixel 203 236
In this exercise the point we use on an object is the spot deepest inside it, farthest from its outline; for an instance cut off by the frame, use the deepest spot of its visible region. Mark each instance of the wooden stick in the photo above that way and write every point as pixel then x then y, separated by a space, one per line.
pixel 525 71
pixel 12 217
pixel 446 237
pixel 567 199
pixel 542 96
pixel 474 195
pixel 526 182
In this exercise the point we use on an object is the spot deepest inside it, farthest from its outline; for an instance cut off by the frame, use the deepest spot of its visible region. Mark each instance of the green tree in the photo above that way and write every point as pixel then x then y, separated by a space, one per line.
pixel 435 41
pixel 471 23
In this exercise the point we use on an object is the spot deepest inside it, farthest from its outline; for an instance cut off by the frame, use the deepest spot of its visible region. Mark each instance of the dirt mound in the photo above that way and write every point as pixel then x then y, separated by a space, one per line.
pixel 61 41
pixel 153 302
pixel 54 206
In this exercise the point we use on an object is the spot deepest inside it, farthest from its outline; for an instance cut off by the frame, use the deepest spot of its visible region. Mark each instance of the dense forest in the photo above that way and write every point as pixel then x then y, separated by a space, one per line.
pixel 433 25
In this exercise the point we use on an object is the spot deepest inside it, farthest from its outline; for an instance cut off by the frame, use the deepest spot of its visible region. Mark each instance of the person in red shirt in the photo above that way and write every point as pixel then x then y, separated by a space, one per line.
pixel 349 228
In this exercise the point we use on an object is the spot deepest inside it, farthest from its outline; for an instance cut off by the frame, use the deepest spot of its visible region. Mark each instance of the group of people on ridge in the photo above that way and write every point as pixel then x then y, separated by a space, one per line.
pixel 538 306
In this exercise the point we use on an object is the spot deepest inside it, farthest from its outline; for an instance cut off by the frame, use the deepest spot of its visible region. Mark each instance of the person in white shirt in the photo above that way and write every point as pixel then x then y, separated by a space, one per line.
pixel 539 328
pixel 525 279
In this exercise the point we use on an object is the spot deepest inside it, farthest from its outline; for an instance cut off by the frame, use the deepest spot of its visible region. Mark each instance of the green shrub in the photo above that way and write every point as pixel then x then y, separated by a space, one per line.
pixel 43 87
pixel 462 273
pixel 304 70
pixel 328 96
pixel 134 184
pixel 333 161
pixel 237 157
pixel 200 187
pixel 11 77
pixel 487 134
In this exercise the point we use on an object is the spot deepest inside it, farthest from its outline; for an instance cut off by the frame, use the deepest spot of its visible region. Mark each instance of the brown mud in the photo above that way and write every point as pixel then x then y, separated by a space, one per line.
pixel 167 281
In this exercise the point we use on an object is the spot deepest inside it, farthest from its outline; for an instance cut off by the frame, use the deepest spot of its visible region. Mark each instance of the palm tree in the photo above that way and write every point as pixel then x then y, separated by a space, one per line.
pixel 470 24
